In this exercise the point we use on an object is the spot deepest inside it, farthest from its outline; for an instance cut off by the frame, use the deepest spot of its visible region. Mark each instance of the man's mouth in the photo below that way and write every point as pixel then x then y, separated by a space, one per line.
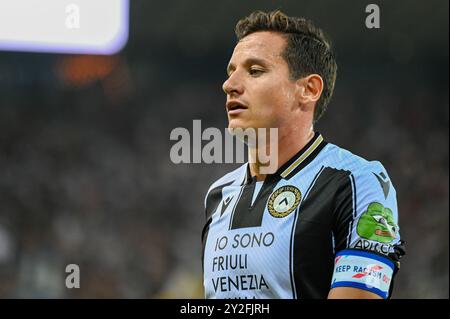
pixel 235 107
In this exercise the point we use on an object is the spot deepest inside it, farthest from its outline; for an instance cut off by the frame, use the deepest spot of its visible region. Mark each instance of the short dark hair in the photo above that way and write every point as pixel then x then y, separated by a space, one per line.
pixel 308 50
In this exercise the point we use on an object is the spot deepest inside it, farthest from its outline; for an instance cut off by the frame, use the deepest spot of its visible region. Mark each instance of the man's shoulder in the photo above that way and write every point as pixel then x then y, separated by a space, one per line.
pixel 343 159
pixel 367 175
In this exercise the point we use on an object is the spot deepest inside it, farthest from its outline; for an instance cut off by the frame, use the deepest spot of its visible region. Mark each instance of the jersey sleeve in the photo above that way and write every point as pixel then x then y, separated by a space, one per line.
pixel 366 234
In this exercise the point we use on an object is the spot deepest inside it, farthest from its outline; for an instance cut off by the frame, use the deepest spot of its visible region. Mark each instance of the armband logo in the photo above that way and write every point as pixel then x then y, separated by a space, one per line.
pixel 283 201
pixel 377 224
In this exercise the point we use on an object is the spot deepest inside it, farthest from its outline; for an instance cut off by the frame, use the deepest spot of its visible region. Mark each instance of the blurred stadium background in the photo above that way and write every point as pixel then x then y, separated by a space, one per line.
pixel 86 176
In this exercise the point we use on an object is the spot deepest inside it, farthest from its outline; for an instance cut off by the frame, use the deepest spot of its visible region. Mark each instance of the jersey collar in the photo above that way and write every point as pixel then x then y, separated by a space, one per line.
pixel 303 157
pixel 297 162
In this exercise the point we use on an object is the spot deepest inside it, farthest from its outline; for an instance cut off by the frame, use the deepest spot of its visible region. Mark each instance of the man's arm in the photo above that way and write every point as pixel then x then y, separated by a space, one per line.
pixel 366 234
pixel 351 293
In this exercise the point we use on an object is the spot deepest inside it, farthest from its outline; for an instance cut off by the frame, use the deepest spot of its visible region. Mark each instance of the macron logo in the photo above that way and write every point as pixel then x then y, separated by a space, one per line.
pixel 225 204
pixel 384 183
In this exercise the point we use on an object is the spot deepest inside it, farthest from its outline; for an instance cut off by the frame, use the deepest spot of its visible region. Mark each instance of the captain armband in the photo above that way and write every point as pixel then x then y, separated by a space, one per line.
pixel 363 270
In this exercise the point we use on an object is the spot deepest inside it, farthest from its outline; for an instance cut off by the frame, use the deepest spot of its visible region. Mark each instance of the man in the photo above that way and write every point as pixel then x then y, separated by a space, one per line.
pixel 325 223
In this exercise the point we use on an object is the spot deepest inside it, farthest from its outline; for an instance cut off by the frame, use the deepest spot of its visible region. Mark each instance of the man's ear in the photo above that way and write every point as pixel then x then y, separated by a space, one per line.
pixel 309 88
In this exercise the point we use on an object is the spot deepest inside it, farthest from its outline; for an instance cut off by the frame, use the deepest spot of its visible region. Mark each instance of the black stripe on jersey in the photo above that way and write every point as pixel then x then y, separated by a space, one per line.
pixel 246 215
pixel 313 257
pixel 291 251
pixel 345 213
pixel 213 200
pixel 349 237
pixel 234 207
pixel 245 181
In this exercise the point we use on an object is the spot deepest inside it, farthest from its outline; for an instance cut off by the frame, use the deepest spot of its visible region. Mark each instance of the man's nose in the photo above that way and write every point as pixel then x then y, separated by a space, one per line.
pixel 233 85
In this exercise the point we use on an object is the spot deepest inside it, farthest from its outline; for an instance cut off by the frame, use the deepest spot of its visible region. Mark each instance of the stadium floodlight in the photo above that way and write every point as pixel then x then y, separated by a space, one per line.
pixel 64 26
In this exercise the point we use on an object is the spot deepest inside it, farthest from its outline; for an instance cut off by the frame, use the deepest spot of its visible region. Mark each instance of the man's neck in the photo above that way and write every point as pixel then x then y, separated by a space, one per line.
pixel 288 146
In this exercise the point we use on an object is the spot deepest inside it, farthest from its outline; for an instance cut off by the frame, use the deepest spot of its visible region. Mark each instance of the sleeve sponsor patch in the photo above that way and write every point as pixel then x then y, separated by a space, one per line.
pixel 377 223
pixel 363 270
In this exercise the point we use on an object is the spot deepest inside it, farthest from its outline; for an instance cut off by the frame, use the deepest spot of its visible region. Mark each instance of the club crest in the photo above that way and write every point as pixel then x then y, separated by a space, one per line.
pixel 283 201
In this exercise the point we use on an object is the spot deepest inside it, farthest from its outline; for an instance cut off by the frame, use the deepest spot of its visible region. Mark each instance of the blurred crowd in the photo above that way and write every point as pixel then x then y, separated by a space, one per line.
pixel 88 183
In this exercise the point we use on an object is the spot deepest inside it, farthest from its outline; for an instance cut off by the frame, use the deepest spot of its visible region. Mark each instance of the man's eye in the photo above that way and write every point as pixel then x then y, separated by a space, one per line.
pixel 256 72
